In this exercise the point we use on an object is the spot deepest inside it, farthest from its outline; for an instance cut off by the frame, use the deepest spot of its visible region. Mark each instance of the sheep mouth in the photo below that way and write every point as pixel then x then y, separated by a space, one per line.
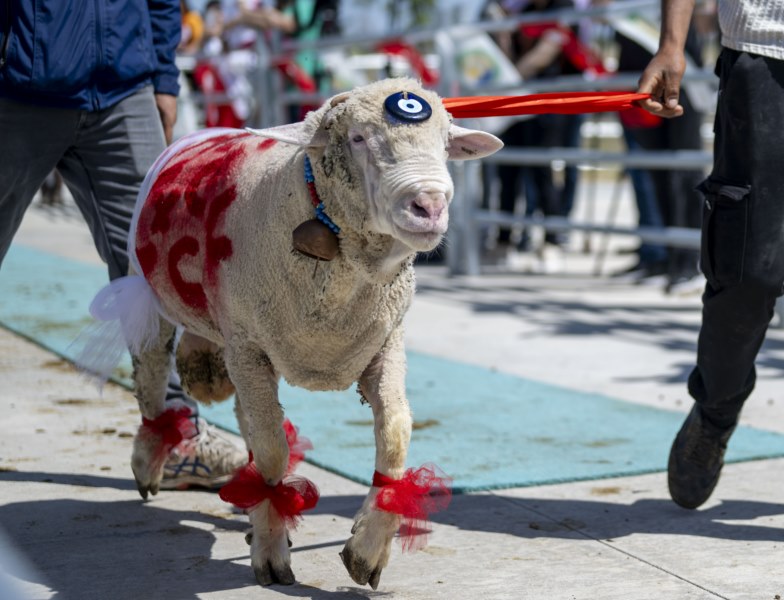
pixel 422 234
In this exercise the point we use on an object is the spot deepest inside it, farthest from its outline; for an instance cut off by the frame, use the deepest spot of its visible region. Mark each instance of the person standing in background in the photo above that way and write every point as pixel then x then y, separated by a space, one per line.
pixel 742 255
pixel 192 30
pixel 539 51
pixel 678 200
pixel 93 92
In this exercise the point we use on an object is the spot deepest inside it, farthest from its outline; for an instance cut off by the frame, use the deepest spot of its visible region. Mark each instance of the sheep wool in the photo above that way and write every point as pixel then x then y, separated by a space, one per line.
pixel 212 254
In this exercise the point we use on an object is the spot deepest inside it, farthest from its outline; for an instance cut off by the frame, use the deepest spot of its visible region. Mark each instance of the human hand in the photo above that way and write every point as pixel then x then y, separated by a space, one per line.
pixel 662 80
pixel 167 109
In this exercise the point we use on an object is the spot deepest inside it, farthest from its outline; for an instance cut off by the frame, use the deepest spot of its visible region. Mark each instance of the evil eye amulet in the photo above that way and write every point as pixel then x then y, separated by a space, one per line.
pixel 407 107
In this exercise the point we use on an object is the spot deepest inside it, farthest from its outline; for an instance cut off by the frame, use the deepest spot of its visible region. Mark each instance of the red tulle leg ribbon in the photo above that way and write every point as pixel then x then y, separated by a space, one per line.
pixel 298 445
pixel 414 497
pixel 289 497
pixel 171 426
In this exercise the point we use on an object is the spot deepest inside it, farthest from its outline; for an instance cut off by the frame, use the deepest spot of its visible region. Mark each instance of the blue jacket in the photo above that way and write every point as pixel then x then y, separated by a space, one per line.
pixel 87 54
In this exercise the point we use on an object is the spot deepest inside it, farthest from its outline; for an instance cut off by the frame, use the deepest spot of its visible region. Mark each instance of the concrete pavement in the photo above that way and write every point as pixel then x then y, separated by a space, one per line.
pixel 70 510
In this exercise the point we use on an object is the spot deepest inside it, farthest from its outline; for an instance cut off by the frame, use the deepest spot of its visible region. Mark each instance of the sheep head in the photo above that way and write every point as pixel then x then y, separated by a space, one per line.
pixel 379 154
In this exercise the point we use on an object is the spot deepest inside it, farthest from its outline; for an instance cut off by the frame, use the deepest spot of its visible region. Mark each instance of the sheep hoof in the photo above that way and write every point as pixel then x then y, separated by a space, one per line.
pixel 267 574
pixel 142 489
pixel 375 577
pixel 359 570
pixel 146 489
pixel 145 484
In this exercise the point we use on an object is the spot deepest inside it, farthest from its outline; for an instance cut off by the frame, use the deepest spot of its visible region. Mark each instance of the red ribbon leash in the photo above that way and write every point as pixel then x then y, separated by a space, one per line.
pixel 289 497
pixel 416 495
pixel 566 103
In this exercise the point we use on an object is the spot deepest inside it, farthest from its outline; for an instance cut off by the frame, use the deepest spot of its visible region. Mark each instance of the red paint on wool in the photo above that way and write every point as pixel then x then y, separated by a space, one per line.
pixel 147 256
pixel 267 144
pixel 218 247
pixel 161 220
pixel 192 293
pixel 180 243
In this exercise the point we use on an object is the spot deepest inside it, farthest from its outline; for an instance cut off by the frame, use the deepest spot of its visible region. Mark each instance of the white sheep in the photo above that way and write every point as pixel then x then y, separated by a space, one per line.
pixel 212 237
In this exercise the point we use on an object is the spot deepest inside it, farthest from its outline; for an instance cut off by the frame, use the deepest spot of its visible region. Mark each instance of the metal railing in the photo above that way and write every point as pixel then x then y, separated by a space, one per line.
pixel 467 218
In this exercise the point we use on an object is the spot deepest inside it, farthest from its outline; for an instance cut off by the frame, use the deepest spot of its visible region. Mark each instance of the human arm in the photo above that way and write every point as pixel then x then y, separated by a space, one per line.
pixel 264 18
pixel 268 18
pixel 167 110
pixel 662 77
pixel 547 49
pixel 166 29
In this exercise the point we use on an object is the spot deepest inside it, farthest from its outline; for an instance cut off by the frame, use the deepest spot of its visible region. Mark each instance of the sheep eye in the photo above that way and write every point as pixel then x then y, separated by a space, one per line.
pixel 357 139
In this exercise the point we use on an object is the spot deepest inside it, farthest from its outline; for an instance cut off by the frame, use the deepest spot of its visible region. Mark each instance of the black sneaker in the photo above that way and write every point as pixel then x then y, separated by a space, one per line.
pixel 696 459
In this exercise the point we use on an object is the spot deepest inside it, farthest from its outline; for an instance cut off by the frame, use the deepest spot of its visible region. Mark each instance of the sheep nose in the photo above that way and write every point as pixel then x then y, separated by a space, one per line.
pixel 429 205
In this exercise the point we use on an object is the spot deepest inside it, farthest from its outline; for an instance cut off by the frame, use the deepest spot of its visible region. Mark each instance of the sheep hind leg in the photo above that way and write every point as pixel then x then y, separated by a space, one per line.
pixel 261 418
pixel 383 385
pixel 150 374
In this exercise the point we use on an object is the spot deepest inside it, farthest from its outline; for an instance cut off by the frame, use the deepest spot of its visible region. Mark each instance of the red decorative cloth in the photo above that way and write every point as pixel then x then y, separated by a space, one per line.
pixel 217 113
pixel 566 103
pixel 172 426
pixel 581 56
pixel 639 118
pixel 289 497
pixel 414 497
pixel 400 48
pixel 297 445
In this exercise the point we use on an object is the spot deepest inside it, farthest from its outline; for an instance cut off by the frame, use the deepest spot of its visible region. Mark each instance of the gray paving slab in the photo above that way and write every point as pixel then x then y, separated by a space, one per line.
pixel 70 511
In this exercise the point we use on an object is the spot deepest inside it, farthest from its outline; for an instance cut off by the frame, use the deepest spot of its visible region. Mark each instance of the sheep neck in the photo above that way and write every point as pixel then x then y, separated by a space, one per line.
pixel 318 205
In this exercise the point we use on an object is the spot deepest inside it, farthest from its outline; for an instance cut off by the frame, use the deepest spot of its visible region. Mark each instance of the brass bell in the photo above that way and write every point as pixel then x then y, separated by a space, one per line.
pixel 315 240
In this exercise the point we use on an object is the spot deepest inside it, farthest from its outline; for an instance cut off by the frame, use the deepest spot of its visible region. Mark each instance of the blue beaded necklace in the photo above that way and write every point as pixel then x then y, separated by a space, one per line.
pixel 316 201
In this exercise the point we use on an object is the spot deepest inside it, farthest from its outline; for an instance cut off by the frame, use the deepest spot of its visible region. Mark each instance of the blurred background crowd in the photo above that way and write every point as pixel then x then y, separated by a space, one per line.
pixel 263 62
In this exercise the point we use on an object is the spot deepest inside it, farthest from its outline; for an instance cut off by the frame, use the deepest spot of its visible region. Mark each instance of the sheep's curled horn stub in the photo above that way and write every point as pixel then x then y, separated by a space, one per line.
pixel 315 240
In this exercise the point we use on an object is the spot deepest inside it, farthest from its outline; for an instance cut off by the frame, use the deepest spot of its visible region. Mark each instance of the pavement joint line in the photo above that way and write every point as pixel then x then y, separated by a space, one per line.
pixel 332 544
pixel 521 502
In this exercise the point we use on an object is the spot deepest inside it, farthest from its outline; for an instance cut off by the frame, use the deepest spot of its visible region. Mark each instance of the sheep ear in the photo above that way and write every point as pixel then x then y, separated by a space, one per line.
pixel 294 133
pixel 467 144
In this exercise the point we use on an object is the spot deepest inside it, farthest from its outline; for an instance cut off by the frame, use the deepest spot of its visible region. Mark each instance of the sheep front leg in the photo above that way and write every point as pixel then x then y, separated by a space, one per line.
pixel 257 390
pixel 151 370
pixel 383 385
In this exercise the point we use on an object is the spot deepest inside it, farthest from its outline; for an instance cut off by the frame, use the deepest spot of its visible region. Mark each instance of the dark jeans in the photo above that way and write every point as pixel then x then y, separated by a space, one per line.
pixel 649 213
pixel 103 157
pixel 742 231
pixel 543 131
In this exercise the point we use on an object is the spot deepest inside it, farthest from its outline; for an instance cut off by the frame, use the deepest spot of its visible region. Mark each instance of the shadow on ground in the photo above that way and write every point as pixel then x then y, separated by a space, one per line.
pixel 657 324
pixel 80 545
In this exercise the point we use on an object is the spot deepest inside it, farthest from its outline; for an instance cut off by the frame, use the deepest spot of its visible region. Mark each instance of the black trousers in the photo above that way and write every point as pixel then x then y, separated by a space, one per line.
pixel 742 253
pixel 543 131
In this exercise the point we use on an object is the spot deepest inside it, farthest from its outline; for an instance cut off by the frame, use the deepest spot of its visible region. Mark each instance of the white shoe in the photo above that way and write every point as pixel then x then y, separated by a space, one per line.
pixel 208 460
pixel 551 260
pixel 692 286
